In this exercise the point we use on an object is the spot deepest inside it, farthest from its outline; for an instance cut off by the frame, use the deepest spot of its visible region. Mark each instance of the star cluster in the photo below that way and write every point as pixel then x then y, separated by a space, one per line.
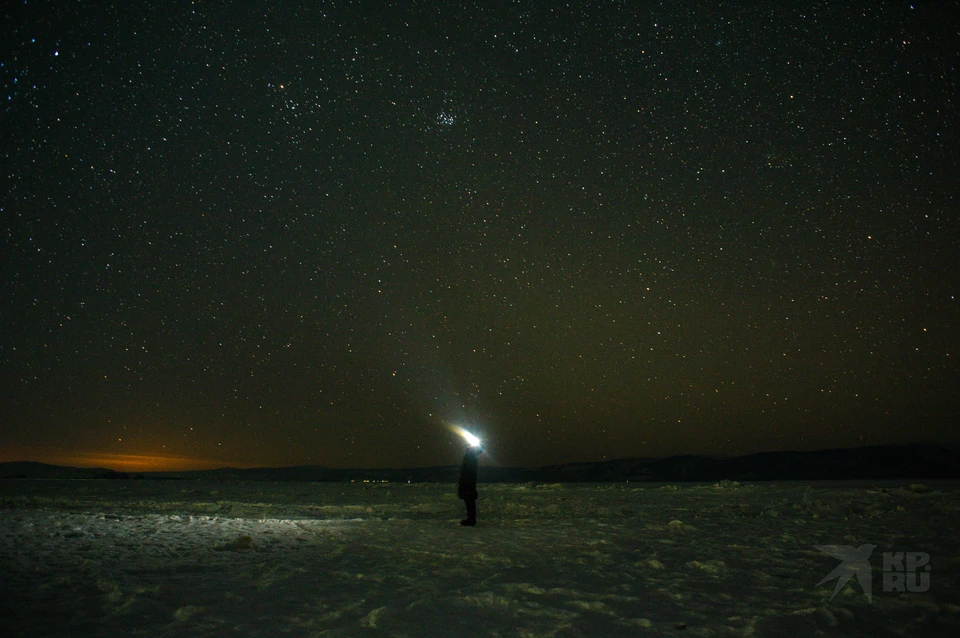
pixel 317 232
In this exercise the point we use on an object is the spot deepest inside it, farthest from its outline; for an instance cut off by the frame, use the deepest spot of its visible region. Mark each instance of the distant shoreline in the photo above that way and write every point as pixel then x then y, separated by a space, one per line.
pixel 872 463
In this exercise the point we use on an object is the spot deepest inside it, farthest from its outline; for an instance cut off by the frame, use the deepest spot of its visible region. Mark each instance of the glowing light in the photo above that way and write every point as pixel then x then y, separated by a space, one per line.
pixel 118 462
pixel 471 439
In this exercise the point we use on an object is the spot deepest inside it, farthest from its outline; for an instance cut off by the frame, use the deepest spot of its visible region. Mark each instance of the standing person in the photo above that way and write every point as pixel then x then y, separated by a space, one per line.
pixel 467 488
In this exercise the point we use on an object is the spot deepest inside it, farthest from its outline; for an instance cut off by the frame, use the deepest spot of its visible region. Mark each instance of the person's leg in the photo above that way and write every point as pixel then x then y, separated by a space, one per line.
pixel 471 511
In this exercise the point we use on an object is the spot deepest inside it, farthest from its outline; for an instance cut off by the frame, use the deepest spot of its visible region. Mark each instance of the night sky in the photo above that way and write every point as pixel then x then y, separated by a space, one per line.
pixel 289 233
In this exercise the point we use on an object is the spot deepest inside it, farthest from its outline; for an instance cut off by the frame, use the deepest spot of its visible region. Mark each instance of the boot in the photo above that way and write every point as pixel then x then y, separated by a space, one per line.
pixel 471 518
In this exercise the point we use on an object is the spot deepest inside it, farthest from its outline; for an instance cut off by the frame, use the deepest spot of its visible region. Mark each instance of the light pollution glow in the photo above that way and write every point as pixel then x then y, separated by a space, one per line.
pixel 119 462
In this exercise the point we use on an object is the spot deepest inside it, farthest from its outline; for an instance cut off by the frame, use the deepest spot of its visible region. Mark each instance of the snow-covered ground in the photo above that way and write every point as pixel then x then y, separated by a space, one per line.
pixel 158 558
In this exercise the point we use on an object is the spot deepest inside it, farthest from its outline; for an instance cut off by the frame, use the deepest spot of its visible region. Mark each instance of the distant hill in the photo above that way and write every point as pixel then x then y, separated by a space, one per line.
pixel 865 463
pixel 870 463
pixel 32 470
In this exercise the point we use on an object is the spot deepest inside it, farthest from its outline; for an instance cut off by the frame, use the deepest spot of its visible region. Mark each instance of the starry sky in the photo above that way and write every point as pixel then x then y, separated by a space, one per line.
pixel 290 233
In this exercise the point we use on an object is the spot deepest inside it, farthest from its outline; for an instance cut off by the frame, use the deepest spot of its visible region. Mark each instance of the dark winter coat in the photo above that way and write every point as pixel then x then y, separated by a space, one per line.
pixel 467 488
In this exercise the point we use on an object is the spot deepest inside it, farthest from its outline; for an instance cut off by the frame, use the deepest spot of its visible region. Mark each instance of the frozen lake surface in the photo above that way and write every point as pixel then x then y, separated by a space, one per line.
pixel 174 558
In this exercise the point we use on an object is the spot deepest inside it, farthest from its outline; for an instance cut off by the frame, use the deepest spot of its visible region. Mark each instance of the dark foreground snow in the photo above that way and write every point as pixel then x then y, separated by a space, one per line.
pixel 158 558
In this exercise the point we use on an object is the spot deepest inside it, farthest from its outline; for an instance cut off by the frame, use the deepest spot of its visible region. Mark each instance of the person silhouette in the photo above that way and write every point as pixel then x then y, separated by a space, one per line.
pixel 467 488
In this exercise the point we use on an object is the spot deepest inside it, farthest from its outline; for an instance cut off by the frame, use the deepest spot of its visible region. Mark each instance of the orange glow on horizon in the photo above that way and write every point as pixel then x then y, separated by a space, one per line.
pixel 121 462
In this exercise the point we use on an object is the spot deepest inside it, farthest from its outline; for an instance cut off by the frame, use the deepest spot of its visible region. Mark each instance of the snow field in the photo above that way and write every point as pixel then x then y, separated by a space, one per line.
pixel 253 559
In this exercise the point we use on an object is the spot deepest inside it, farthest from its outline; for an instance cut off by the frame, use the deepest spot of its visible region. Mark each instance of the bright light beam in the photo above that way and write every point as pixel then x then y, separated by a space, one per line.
pixel 471 439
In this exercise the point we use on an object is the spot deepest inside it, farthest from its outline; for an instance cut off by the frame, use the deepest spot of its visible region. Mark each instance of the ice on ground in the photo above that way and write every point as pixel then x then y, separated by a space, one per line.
pixel 105 558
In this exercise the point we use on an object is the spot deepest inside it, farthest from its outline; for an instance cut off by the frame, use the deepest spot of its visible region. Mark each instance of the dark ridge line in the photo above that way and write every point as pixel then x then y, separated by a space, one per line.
pixel 878 462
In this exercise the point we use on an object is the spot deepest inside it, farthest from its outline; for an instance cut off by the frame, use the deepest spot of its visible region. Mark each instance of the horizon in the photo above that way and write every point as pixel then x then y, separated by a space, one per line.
pixel 148 465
